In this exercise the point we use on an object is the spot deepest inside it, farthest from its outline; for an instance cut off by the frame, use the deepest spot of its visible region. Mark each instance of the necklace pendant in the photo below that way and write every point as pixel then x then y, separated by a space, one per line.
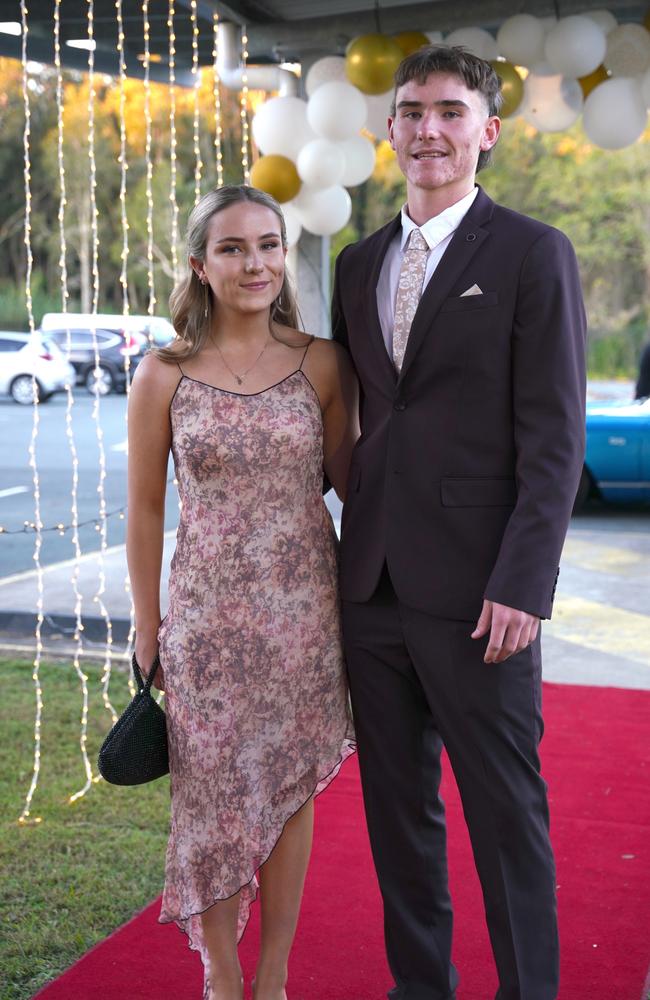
pixel 239 380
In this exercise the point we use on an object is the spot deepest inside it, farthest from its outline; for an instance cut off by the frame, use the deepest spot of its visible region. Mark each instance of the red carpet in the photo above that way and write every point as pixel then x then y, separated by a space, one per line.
pixel 596 758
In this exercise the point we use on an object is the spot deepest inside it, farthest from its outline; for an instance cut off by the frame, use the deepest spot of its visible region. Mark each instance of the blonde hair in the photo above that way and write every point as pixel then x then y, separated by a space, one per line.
pixel 190 299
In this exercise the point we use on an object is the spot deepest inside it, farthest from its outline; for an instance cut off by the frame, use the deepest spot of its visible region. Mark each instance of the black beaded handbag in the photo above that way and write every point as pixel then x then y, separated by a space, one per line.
pixel 135 750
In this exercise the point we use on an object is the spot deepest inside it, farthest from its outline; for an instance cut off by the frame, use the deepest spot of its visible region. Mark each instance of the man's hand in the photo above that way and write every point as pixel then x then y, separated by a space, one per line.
pixel 510 630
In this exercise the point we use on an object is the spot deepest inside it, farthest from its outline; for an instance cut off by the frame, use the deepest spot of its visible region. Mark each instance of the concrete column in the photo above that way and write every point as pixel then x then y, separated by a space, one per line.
pixel 309 261
pixel 309 267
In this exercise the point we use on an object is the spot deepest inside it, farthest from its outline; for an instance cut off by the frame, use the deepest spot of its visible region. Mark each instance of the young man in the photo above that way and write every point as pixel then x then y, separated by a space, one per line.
pixel 466 325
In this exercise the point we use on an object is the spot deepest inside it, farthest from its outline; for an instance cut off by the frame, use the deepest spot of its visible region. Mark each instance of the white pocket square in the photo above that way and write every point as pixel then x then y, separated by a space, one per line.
pixel 474 290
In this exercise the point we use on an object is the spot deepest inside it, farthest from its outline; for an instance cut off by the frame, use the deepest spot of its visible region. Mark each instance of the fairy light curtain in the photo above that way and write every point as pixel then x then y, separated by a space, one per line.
pixel 100 520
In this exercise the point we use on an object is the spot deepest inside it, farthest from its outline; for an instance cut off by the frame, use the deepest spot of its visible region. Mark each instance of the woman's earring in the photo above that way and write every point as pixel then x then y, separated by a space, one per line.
pixel 206 296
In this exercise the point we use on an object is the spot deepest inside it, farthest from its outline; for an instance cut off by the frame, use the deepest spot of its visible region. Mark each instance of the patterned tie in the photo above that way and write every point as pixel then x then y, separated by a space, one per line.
pixel 409 290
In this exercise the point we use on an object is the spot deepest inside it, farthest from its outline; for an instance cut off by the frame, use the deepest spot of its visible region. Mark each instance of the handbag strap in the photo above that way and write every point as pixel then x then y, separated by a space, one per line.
pixel 145 686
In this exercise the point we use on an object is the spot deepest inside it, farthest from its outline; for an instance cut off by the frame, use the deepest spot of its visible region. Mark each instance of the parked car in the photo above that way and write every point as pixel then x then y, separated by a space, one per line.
pixel 148 329
pixel 113 349
pixel 617 462
pixel 24 356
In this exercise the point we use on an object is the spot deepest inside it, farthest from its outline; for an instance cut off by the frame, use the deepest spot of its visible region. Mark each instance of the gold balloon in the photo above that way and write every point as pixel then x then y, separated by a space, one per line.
pixel 277 175
pixel 591 81
pixel 411 41
pixel 371 61
pixel 512 86
pixel 646 20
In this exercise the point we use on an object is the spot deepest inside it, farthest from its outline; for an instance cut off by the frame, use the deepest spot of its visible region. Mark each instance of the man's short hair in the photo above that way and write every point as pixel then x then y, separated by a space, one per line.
pixel 476 74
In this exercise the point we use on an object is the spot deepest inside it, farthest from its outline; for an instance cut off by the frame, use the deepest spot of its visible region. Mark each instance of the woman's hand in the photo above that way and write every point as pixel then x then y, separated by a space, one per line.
pixel 146 647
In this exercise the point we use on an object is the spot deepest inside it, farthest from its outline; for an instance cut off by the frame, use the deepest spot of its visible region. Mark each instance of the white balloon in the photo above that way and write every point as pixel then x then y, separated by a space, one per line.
pixel 551 102
pixel 337 110
pixel 644 83
pixel 359 154
pixel 628 50
pixel 615 114
pixel 378 111
pixel 321 163
pixel 323 212
pixel 604 18
pixel 575 46
pixel 292 223
pixel 476 40
pixel 520 39
pixel 548 22
pixel 280 126
pixel 325 70
pixel 435 37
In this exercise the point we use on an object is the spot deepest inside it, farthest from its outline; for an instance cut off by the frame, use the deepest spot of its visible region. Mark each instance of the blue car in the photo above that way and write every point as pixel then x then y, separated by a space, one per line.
pixel 617 463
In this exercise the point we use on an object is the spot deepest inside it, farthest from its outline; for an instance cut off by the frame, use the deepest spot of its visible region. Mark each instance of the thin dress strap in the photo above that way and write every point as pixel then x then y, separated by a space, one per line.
pixel 180 369
pixel 304 355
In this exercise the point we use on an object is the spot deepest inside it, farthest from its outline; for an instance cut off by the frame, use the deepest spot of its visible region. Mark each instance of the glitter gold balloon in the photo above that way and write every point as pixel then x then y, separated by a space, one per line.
pixel 371 61
pixel 277 175
pixel 512 86
pixel 411 41
pixel 591 81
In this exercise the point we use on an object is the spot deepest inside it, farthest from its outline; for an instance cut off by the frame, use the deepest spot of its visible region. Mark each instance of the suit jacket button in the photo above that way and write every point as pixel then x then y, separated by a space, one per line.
pixel 399 404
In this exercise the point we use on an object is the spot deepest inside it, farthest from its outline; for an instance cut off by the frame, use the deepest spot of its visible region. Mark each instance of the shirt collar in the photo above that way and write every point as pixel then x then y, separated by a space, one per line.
pixel 441 226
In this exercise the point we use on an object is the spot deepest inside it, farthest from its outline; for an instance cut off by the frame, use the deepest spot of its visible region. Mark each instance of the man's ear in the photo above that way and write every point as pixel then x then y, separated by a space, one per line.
pixel 391 122
pixel 490 133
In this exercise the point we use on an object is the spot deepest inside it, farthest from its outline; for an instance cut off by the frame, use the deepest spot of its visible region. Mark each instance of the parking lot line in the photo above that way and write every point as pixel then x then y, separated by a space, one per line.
pixel 602 627
pixel 11 491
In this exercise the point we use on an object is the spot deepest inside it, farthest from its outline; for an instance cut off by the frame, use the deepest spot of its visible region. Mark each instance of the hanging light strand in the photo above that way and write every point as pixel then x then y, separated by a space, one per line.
pixel 124 166
pixel 25 814
pixel 196 72
pixel 243 112
pixel 151 307
pixel 173 182
pixel 101 526
pixel 74 509
pixel 124 256
pixel 218 125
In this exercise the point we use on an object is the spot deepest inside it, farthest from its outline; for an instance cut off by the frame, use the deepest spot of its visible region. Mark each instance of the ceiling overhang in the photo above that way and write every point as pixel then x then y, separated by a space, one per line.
pixel 278 30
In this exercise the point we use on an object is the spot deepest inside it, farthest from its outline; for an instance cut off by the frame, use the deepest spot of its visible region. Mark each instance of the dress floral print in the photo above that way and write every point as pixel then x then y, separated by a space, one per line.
pixel 255 690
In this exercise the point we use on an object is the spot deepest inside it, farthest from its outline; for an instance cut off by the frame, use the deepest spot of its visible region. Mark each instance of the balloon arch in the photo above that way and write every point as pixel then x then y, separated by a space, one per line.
pixel 552 71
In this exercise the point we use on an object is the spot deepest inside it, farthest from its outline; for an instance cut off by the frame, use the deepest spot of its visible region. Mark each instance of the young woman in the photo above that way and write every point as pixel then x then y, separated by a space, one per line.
pixel 253 412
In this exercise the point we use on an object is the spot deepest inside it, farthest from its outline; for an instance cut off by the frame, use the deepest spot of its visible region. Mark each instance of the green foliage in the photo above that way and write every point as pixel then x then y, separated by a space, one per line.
pixel 88 866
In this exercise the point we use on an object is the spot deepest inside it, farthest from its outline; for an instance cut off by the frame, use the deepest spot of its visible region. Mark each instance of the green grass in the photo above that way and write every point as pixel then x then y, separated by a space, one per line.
pixel 71 879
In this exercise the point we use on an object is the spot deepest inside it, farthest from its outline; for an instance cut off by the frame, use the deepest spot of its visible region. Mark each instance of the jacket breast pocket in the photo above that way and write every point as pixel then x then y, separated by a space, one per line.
pixel 468 303
pixel 478 492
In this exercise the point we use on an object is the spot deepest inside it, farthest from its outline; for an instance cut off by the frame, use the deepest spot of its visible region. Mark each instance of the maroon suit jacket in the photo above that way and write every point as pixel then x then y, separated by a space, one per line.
pixel 467 467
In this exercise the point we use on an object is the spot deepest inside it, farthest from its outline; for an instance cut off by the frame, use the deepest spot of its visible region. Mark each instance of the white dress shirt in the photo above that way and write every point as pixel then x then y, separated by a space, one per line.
pixel 438 232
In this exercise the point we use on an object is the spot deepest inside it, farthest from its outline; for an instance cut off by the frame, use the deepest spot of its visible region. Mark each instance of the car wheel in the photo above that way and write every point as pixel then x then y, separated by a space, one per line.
pixel 102 382
pixel 584 489
pixel 22 392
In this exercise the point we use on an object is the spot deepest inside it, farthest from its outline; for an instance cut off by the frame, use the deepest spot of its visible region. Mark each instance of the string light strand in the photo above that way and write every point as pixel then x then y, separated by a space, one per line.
pixel 151 307
pixel 196 74
pixel 24 817
pixel 218 124
pixel 74 580
pixel 173 182
pixel 243 113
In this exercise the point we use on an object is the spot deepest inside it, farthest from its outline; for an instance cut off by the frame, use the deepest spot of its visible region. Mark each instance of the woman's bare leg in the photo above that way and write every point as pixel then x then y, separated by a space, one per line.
pixel 282 879
pixel 220 936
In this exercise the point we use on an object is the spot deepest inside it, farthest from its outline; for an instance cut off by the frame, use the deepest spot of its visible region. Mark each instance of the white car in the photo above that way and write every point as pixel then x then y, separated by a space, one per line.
pixel 23 356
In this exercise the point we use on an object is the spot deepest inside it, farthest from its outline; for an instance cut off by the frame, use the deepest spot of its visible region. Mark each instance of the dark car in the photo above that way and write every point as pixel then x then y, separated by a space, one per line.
pixel 117 350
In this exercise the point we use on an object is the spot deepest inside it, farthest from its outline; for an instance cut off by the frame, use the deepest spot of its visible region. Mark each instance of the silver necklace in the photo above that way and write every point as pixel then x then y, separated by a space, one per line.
pixel 240 378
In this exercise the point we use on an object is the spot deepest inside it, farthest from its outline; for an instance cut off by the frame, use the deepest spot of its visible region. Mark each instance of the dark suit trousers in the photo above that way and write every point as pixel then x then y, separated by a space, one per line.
pixel 419 683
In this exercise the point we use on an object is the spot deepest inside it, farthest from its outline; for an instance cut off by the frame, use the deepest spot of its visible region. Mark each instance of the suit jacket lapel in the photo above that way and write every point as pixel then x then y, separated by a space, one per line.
pixel 465 242
pixel 384 238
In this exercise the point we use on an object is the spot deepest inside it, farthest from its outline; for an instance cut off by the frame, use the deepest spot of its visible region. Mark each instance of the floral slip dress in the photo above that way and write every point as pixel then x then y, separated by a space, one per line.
pixel 255 690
